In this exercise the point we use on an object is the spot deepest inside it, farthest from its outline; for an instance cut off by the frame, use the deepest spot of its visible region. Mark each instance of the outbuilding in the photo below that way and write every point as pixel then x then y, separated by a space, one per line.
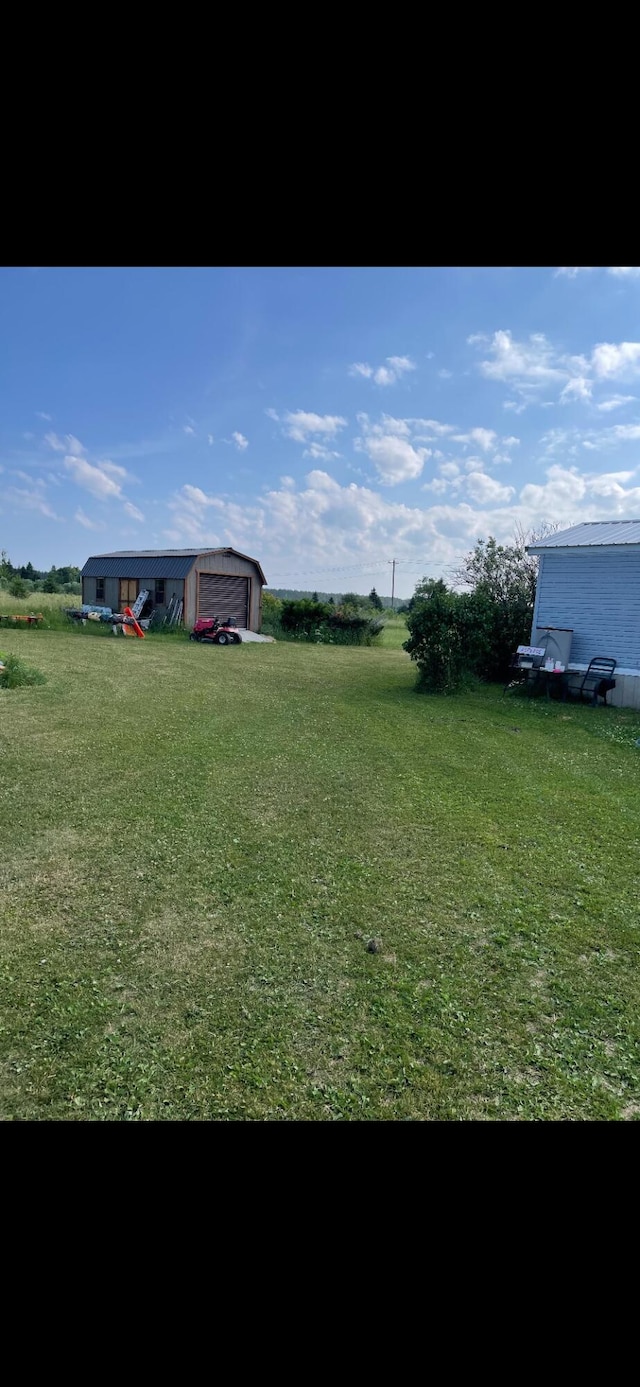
pixel 209 582
pixel 588 591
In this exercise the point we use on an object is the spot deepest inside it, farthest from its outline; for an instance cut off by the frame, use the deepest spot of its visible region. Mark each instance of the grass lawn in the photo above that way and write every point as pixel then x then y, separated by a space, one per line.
pixel 198 843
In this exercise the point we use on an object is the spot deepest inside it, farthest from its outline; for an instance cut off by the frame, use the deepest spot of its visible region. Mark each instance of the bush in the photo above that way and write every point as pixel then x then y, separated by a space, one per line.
pixel 15 673
pixel 302 617
pixel 450 638
pixel 18 587
pixel 324 624
pixel 271 613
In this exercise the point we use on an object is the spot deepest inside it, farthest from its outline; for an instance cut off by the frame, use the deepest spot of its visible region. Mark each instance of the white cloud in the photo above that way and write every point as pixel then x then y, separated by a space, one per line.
pixel 240 441
pixel 395 459
pixel 444 374
pixel 572 270
pixel 114 470
pixel 486 490
pixel 55 442
pixel 299 424
pixel 570 495
pixel 622 271
pixel 532 362
pixel 449 470
pixel 31 500
pixel 210 439
pixel 517 407
pixel 626 431
pixel 615 402
pixel 298 531
pixel 576 389
pixel 432 426
pixel 272 414
pixel 40 414
pixel 389 374
pixel 84 520
pixel 133 511
pixel 616 362
pixel 68 444
pixel 288 483
pixel 320 452
pixel 93 479
pixel 485 438
pixel 187 428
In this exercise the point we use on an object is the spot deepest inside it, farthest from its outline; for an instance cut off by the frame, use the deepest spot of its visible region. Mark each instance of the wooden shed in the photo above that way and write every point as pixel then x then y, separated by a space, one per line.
pixel 209 582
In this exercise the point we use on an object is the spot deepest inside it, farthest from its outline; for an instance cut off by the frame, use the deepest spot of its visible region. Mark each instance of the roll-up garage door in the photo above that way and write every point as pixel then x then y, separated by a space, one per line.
pixel 223 596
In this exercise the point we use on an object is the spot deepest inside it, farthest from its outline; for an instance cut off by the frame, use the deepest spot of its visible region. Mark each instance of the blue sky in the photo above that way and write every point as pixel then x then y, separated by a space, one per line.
pixel 323 420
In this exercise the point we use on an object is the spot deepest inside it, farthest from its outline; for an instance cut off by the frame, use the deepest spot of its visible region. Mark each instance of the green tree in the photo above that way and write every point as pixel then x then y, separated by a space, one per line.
pixel 506 575
pixel 375 600
pixel 18 587
pixel 449 637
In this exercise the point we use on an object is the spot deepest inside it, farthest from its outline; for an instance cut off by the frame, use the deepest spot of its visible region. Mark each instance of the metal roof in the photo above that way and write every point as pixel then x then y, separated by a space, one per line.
pixel 152 563
pixel 118 566
pixel 589 534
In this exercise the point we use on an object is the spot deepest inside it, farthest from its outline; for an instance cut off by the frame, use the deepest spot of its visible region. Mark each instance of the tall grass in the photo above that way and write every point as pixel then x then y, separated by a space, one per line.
pixel 14 673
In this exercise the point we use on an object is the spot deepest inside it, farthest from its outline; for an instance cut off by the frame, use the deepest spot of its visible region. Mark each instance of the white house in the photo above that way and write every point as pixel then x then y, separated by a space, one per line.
pixel 589 583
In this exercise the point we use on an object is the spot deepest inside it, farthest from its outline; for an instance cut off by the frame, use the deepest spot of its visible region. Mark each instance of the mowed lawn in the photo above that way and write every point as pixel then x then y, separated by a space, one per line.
pixel 198 843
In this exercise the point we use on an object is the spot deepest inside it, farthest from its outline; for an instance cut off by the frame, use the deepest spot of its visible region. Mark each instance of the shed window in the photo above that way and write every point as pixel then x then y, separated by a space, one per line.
pixel 159 592
pixel 99 590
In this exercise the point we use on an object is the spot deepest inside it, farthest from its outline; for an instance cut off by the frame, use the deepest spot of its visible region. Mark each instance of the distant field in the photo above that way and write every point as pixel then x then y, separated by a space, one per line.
pixel 38 601
pixel 198 844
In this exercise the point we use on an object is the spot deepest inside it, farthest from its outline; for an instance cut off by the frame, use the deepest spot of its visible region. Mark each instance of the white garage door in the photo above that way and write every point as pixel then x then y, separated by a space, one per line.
pixel 222 596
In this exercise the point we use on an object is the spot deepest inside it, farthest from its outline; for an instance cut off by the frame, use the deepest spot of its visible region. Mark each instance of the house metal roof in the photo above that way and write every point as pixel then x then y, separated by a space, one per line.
pixel 590 534
pixel 152 563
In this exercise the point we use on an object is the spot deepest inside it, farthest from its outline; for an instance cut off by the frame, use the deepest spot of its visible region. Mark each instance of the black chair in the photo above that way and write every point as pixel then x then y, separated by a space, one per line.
pixel 596 683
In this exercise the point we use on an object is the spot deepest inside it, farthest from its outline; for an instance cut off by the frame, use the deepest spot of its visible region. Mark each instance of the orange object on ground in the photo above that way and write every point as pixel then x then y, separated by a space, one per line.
pixel 132 623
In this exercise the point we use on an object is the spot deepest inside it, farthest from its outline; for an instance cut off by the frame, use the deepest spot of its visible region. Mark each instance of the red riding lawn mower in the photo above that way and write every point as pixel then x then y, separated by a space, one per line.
pixel 215 630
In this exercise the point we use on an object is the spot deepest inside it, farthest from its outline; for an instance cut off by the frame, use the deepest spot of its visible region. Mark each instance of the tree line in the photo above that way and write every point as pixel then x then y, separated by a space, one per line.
pixel 20 581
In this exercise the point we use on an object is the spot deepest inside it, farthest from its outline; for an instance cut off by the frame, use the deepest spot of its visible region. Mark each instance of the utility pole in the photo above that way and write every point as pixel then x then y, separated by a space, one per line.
pixel 393 563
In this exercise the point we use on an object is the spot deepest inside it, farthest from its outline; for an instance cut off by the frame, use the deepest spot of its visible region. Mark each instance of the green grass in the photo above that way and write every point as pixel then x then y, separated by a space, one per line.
pixel 198 844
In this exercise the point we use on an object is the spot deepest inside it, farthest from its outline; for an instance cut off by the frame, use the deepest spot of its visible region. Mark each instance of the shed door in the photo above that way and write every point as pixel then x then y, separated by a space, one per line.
pixel 128 592
pixel 219 595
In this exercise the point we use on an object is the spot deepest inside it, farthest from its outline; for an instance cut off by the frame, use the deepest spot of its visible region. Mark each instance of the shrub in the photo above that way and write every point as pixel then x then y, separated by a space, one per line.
pixel 323 623
pixel 18 587
pixel 15 673
pixel 302 617
pixel 271 613
pixel 450 636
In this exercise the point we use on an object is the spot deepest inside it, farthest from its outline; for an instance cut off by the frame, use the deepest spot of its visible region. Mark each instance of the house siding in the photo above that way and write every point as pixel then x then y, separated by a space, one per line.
pixel 598 596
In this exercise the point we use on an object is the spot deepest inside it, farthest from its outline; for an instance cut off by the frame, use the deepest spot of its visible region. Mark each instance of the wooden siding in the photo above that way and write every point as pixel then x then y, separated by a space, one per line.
pixel 224 564
pixel 112 590
pixel 598 595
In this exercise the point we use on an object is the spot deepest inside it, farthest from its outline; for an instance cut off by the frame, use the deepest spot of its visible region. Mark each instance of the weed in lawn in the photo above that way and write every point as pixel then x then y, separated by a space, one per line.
pixel 14 674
